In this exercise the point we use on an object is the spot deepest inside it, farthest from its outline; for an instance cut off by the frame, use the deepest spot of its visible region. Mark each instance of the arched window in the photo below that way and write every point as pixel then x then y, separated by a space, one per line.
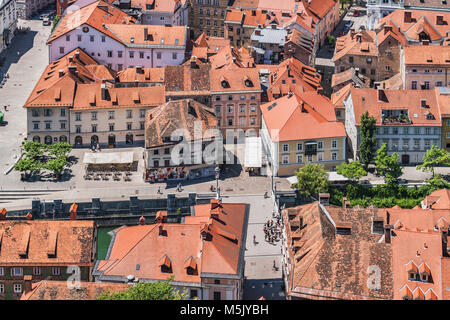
pixel 78 141
pixel 63 139
pixel 94 139
pixel 48 140
pixel 112 140
pixel 129 138
pixel 37 139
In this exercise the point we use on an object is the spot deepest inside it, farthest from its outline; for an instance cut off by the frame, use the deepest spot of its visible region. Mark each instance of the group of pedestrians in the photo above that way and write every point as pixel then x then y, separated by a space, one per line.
pixel 272 231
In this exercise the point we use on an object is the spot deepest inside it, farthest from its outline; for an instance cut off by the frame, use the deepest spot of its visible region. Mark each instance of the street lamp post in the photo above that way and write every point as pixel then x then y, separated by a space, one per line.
pixel 217 170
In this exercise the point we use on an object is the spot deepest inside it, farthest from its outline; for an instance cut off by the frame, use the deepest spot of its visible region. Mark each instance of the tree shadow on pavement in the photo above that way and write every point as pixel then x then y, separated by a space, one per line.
pixel 21 43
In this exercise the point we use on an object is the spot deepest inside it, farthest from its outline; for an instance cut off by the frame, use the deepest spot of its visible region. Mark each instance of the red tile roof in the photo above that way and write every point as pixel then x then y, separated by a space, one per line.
pixel 57 85
pixel 367 100
pixel 427 55
pixel 217 251
pixel 47 242
pixel 317 117
pixel 89 96
pixel 297 78
pixel 59 290
pixel 327 265
pixel 136 74
pixel 421 20
pixel 235 79
pixel 94 15
pixel 177 114
pixel 133 35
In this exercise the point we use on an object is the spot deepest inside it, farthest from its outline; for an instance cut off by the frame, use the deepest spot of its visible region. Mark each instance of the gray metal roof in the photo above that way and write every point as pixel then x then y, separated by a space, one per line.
pixel 269 35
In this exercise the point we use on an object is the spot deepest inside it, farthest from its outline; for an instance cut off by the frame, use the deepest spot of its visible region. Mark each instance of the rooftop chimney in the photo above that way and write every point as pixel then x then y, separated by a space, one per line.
pixel 324 199
pixel 70 58
pixel 439 19
pixel 345 203
pixel 388 233
pixel 387 29
pixel 77 55
pixel 73 211
pixel 61 72
pixel 161 217
pixel 3 214
pixel 27 283
pixel 407 16
pixel 359 37
pixel 72 69
pixel 103 89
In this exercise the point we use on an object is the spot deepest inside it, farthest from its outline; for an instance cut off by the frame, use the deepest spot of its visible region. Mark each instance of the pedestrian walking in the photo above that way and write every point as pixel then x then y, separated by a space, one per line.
pixel 159 190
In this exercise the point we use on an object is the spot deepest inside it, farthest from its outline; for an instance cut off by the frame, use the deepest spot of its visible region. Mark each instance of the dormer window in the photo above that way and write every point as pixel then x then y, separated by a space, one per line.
pixel 412 276
pixel 248 83
pixel 225 84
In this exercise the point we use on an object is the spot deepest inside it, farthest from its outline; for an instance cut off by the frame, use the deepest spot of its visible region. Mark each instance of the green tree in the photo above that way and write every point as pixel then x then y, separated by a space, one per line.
pixel 312 180
pixel 160 290
pixel 33 149
pixel 368 141
pixel 353 170
pixel 436 183
pixel 56 165
pixel 331 40
pixel 388 166
pixel 434 156
pixel 28 165
pixel 60 149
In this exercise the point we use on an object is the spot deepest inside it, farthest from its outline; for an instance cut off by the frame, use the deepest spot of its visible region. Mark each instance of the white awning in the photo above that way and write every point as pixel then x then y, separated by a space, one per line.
pixel 108 157
pixel 332 176
pixel 253 152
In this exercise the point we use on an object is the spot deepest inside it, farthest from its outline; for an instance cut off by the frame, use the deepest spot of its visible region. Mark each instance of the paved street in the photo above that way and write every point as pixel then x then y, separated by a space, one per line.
pixel 325 54
pixel 261 279
pixel 24 70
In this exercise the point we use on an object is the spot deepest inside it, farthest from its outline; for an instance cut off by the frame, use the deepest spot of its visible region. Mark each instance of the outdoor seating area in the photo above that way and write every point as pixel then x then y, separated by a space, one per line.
pixel 111 166
pixel 108 176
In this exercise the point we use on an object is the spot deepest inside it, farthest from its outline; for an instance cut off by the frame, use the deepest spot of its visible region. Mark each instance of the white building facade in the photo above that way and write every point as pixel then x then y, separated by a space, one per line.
pixel 377 9
pixel 8 22
pixel 407 140
pixel 116 54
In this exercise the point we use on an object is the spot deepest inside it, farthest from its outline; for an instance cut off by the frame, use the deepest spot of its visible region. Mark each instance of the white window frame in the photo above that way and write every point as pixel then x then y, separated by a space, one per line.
pixel 37 271
pixel 16 288
pixel 285 147
pixel 320 156
pixel 300 156
pixel 14 269
pixel 56 271
pixel 335 155
pixel 319 145
pixel 334 144
pixel 301 146
pixel 2 288
pixel 2 271
pixel 285 159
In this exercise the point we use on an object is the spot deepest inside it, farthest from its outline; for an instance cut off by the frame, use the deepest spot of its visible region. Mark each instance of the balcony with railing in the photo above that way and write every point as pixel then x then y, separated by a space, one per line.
pixel 395 117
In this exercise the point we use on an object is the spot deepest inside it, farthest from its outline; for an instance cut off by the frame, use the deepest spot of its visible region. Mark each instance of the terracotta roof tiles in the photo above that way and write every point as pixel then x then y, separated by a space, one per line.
pixel 47 242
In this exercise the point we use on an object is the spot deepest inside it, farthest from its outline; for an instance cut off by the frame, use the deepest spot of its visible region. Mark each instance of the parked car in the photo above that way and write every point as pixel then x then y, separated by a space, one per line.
pixel 362 28
pixel 348 24
pixel 46 21
pixel 356 13
pixel 42 16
